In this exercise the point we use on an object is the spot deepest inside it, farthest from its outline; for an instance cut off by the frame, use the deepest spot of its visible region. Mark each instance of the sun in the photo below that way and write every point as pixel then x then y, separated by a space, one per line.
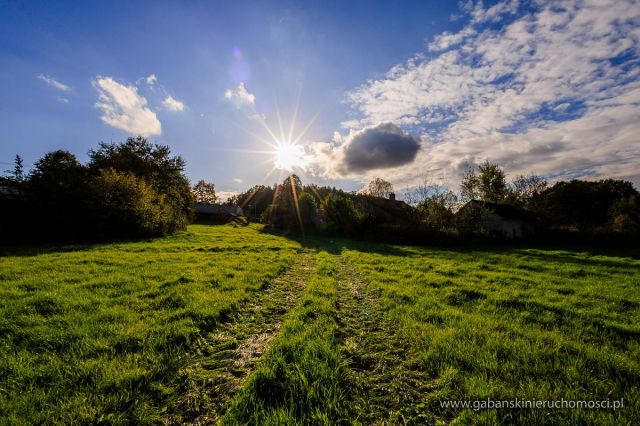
pixel 289 156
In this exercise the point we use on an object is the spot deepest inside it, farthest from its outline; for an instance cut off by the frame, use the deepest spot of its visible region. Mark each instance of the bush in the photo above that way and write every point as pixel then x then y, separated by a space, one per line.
pixel 156 166
pixel 342 212
pixel 127 206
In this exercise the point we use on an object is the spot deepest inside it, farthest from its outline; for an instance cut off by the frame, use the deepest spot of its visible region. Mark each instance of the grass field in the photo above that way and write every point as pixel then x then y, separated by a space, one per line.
pixel 235 325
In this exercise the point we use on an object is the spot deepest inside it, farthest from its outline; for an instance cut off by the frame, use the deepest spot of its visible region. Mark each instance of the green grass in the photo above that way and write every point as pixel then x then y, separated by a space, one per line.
pixel 527 324
pixel 154 332
pixel 99 333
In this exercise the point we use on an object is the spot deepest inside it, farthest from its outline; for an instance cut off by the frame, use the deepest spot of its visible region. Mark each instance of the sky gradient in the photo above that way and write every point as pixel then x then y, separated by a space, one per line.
pixel 403 90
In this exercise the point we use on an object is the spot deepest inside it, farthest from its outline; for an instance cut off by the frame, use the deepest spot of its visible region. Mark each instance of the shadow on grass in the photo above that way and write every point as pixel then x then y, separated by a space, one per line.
pixel 555 252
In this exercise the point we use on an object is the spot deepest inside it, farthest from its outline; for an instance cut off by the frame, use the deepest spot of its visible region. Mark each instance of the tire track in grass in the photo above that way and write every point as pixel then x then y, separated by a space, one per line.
pixel 231 352
pixel 389 385
pixel 302 379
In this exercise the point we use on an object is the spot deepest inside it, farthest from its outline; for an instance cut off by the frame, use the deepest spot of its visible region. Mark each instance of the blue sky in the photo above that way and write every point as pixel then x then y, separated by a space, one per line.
pixel 403 90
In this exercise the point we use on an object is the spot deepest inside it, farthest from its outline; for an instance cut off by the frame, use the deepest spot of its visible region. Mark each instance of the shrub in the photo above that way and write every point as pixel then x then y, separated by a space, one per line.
pixel 125 205
pixel 342 212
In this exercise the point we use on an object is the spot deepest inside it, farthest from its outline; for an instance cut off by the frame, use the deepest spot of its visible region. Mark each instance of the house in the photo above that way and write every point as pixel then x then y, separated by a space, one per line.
pixel 499 219
pixel 221 212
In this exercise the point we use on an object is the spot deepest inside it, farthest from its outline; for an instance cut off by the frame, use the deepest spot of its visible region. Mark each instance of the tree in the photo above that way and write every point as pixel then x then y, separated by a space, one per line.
pixel 308 206
pixel 204 192
pixel 586 205
pixel 342 212
pixel 492 182
pixel 436 206
pixel 525 191
pixel 283 212
pixel 489 184
pixel 469 185
pixel 17 174
pixel 128 206
pixel 256 199
pixel 155 165
pixel 57 189
pixel 625 215
pixel 378 188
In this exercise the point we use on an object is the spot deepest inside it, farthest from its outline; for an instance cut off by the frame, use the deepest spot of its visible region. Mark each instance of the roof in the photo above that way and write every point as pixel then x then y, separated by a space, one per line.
pixel 207 208
pixel 505 211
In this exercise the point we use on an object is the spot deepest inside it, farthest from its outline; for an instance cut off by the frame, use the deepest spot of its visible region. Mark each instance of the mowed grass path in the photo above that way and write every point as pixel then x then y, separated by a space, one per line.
pixel 237 326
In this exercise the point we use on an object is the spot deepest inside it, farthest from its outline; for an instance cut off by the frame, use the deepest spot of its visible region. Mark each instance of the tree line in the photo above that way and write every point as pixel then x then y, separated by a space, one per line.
pixel 139 189
pixel 606 207
pixel 129 189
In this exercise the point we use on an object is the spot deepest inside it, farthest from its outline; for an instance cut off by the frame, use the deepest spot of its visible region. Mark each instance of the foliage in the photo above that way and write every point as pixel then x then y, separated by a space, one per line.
pixel 129 189
pixel 282 213
pixel 525 191
pixel 468 220
pixel 56 196
pixel 204 192
pixel 128 206
pixel 378 188
pixel 255 200
pixel 156 166
pixel 489 184
pixel 308 206
pixel 469 186
pixel 342 212
pixel 584 205
pixel 625 215
pixel 17 174
pixel 436 206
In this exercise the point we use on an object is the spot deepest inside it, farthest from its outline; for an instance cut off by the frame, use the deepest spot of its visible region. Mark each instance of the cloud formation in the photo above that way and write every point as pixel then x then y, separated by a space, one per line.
pixel 123 108
pixel 240 96
pixel 172 104
pixel 53 82
pixel 152 79
pixel 551 88
pixel 380 147
pixel 383 146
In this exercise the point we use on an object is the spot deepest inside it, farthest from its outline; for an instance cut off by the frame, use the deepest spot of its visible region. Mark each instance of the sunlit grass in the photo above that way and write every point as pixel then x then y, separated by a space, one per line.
pixel 99 332
pixel 506 324
pixel 104 333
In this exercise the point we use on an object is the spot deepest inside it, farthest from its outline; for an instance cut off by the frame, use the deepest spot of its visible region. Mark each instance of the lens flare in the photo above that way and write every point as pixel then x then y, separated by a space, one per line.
pixel 289 156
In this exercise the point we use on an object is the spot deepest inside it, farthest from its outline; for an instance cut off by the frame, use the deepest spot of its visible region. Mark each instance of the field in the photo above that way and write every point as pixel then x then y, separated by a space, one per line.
pixel 235 325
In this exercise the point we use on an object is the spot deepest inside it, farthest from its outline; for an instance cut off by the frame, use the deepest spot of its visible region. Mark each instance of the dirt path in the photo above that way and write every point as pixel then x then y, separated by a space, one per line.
pixel 231 352
pixel 389 386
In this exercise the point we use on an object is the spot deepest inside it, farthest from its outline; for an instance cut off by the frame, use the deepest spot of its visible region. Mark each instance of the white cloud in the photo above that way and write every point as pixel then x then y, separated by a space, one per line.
pixel 172 104
pixel 53 82
pixel 554 89
pixel 63 100
pixel 446 40
pixel 123 108
pixel 223 196
pixel 152 79
pixel 240 96
pixel 238 180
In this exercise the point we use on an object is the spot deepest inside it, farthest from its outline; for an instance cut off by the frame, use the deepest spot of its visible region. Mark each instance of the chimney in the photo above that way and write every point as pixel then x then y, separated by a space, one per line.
pixel 392 196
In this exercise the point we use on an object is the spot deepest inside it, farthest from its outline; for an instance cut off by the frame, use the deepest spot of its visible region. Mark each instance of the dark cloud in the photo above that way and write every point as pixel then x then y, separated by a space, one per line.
pixel 379 147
